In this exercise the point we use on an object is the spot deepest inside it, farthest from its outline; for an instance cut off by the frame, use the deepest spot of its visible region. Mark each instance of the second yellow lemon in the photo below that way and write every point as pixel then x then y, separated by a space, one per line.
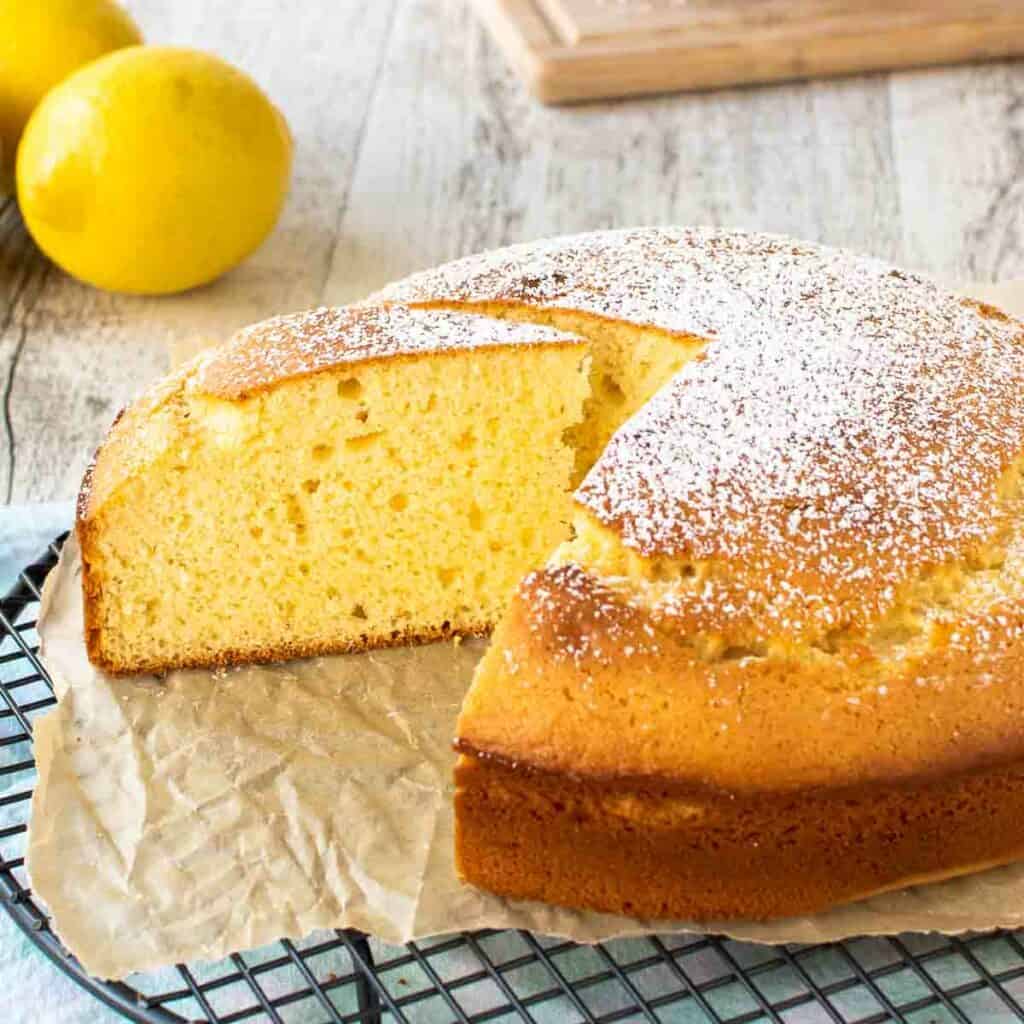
pixel 153 169
pixel 41 43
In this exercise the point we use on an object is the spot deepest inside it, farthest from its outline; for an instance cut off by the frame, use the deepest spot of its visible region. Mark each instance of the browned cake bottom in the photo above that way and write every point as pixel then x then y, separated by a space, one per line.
pixel 644 850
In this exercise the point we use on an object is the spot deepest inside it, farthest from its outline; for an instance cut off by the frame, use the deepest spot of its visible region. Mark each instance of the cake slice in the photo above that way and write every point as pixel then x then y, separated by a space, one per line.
pixel 330 481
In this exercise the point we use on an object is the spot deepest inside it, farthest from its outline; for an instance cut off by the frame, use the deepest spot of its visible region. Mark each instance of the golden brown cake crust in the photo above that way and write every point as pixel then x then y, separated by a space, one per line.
pixel 302 344
pixel 607 765
pixel 270 653
pixel 644 850
pixel 578 682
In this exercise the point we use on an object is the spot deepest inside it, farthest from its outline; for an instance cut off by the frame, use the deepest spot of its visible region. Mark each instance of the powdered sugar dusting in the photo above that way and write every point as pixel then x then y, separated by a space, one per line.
pixel 301 344
pixel 845 428
pixel 583 620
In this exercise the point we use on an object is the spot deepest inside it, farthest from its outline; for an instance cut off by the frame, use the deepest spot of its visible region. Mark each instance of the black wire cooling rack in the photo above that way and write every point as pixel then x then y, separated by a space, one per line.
pixel 343 976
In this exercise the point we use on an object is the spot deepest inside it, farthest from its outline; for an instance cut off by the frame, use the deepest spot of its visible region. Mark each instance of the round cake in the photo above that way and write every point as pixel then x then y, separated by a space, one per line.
pixel 773 660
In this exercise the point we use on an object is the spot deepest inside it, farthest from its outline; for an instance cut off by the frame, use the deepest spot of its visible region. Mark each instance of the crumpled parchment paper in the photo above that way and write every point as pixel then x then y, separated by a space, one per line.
pixel 209 812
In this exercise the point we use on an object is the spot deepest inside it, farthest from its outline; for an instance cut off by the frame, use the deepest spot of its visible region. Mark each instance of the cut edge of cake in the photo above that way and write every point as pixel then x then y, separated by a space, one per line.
pixel 344 413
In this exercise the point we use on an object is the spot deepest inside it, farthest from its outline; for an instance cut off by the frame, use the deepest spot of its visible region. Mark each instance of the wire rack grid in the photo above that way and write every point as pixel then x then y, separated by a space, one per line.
pixel 344 976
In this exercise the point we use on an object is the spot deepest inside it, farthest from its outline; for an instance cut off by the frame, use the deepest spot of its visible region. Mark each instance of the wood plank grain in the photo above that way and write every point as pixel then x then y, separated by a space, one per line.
pixel 75 354
pixel 812 160
pixel 23 275
pixel 526 35
pixel 744 22
pixel 624 49
pixel 958 146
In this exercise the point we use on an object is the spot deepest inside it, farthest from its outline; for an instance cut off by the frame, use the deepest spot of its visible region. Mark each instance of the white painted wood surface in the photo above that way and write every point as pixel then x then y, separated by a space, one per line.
pixel 416 143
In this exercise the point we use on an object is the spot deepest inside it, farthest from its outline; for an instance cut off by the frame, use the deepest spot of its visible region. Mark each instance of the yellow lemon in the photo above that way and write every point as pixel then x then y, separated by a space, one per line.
pixel 41 43
pixel 153 169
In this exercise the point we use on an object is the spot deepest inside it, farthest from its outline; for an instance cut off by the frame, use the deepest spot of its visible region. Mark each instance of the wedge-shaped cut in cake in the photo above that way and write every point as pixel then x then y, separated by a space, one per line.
pixel 329 481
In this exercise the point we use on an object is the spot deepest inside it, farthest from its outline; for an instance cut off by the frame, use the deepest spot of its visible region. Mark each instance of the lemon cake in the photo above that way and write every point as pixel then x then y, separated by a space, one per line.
pixel 776 663
pixel 780 665
pixel 329 481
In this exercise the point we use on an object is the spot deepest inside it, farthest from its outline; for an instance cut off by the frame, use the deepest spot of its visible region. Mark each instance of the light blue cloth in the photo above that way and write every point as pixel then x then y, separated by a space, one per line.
pixel 32 990
pixel 25 531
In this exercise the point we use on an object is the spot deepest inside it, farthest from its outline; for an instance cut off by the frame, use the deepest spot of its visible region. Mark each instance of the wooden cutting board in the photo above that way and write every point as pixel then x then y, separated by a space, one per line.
pixel 584 49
